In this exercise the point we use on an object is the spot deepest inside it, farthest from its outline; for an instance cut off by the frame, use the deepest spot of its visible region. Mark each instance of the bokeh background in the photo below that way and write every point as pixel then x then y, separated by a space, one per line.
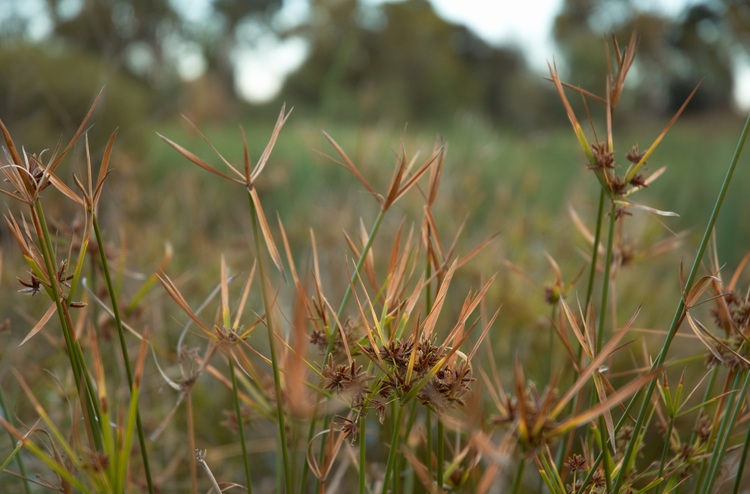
pixel 376 75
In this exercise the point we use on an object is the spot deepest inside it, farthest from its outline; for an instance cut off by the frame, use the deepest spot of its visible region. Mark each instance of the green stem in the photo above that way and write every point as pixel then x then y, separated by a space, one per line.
pixel 123 349
pixel 606 280
pixel 240 425
pixel 394 448
pixel 362 453
pixel 743 462
pixel 400 458
pixel 340 313
pixel 605 452
pixel 727 427
pixel 595 248
pixel 89 404
pixel 428 412
pixel 428 453
pixel 518 478
pixel 563 449
pixel 352 281
pixel 270 325
pixel 600 335
pixel 19 457
pixel 440 454
pixel 665 451
pixel 680 310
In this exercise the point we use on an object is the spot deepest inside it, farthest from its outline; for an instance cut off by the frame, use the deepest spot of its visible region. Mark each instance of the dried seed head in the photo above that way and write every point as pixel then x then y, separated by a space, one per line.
pixel 348 427
pixel 638 180
pixel 576 462
pixel 634 156
pixel 343 378
pixel 605 159
pixel 30 287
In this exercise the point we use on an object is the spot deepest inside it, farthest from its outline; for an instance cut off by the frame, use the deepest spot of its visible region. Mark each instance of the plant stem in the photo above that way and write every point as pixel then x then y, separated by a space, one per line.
pixel 727 427
pixel 353 280
pixel 342 307
pixel 123 349
pixel 563 449
pixel 518 478
pixel 665 450
pixel 595 247
pixel 394 447
pixel 89 405
pixel 19 458
pixel 270 325
pixel 680 310
pixel 240 425
pixel 606 281
pixel 743 462
pixel 440 454
pixel 362 453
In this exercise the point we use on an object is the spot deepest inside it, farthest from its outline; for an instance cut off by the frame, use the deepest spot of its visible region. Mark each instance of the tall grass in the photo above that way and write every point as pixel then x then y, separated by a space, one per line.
pixel 398 366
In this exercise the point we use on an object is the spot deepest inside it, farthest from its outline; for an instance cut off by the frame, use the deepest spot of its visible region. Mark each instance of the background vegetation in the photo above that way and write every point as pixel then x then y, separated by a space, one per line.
pixel 512 168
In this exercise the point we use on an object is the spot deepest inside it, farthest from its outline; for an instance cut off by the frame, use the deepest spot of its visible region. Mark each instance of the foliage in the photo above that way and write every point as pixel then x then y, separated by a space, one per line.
pixel 395 378
pixel 42 91
pixel 373 62
pixel 702 42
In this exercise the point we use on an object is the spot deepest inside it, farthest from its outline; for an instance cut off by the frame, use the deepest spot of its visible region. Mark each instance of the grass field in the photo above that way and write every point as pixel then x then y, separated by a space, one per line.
pixel 430 389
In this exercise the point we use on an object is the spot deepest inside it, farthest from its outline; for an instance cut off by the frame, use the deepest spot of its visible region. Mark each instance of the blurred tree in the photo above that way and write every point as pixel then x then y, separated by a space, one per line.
pixel 122 33
pixel 674 53
pixel 402 59
pixel 148 37
pixel 48 90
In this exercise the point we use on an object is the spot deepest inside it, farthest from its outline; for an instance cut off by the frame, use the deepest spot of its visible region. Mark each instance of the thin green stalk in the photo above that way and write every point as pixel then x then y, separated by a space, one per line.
pixel 680 310
pixel 240 426
pixel 561 451
pixel 89 405
pixel 123 349
pixel 440 454
pixel 393 448
pixel 428 453
pixel 19 458
pixel 600 335
pixel 400 458
pixel 353 280
pixel 665 451
pixel 518 478
pixel 726 430
pixel 706 398
pixel 440 474
pixel 340 312
pixel 362 453
pixel 550 343
pixel 592 469
pixel 743 462
pixel 270 325
pixel 606 458
pixel 595 247
pixel 409 425
pixel 606 281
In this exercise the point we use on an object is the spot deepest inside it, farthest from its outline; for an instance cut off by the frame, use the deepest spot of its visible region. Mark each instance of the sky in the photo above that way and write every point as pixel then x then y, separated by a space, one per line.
pixel 526 24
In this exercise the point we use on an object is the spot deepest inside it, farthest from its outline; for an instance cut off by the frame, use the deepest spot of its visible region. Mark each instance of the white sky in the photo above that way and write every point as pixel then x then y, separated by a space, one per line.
pixel 523 23
pixel 526 23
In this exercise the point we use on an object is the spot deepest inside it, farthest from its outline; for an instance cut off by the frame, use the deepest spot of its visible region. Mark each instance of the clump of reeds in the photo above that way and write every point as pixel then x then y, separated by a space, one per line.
pixel 391 386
